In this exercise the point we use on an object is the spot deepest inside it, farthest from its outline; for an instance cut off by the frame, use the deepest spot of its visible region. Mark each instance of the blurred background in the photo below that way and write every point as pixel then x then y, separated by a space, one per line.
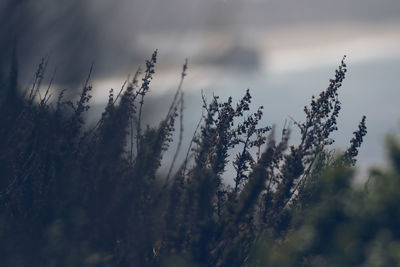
pixel 283 51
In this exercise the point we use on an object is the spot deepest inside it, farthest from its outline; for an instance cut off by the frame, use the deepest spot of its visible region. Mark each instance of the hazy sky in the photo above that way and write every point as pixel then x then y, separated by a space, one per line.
pixel 283 50
pixel 120 34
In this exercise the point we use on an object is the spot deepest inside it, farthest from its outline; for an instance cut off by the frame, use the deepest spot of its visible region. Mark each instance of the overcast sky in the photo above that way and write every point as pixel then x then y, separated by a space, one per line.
pixel 119 34
pixel 283 50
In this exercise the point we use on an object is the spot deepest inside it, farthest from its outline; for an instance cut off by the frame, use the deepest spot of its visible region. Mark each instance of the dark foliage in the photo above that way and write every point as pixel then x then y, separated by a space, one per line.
pixel 71 195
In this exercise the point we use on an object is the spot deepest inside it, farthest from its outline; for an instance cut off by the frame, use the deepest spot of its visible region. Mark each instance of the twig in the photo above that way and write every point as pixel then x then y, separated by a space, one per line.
pixel 178 91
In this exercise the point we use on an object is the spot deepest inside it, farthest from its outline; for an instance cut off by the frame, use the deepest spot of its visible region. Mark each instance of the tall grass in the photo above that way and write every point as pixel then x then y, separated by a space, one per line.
pixel 72 195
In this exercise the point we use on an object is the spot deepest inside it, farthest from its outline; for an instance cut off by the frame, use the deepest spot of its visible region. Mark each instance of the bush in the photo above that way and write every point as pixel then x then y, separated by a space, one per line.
pixel 73 195
pixel 341 225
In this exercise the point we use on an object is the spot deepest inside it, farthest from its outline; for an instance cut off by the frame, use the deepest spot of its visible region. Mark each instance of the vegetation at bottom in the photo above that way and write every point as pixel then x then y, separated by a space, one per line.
pixel 72 194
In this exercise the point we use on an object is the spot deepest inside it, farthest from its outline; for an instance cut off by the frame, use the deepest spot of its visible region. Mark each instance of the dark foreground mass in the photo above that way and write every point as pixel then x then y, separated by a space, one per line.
pixel 79 195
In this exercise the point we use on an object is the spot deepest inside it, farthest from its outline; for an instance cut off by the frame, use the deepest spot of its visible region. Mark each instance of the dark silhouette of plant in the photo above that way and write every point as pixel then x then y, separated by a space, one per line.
pixel 341 225
pixel 79 195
